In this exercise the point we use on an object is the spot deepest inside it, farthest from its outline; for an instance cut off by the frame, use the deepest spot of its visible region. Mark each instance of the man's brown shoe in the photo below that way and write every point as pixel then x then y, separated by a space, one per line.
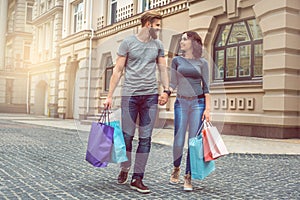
pixel 123 177
pixel 137 184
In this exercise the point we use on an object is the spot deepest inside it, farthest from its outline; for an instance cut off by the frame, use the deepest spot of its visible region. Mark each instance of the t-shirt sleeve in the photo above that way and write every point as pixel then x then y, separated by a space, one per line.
pixel 161 51
pixel 123 48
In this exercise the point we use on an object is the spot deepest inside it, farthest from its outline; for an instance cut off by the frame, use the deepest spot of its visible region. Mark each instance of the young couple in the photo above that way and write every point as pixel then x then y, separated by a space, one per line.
pixel 138 56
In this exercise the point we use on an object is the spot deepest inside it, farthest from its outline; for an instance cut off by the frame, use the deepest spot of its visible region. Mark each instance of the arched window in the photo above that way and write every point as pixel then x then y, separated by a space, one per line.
pixel 238 51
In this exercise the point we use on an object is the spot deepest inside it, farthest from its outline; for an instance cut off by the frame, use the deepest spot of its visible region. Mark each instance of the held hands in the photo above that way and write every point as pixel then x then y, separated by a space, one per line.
pixel 163 99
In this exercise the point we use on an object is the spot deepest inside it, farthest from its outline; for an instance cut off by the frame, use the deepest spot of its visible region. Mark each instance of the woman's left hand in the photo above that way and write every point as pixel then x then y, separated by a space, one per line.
pixel 206 115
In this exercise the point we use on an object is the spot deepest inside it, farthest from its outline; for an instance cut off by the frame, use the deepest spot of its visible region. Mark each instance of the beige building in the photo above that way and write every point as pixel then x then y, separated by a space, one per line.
pixel 47 34
pixel 252 47
pixel 15 45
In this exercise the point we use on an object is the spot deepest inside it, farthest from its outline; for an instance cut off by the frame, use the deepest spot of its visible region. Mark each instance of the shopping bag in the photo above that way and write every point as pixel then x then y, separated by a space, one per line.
pixel 118 152
pixel 206 149
pixel 199 168
pixel 100 143
pixel 215 141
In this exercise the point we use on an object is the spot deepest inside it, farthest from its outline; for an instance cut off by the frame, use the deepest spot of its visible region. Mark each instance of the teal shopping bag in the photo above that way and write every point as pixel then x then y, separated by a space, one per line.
pixel 199 168
pixel 118 153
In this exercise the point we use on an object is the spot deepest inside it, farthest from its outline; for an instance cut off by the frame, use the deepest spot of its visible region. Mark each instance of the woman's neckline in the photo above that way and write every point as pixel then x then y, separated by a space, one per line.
pixel 188 58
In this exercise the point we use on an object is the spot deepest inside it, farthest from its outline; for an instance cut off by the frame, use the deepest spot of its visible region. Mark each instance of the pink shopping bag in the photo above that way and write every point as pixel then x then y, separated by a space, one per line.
pixel 215 141
pixel 206 149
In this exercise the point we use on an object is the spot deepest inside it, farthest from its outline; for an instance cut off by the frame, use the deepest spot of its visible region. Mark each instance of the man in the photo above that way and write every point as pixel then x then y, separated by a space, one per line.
pixel 139 55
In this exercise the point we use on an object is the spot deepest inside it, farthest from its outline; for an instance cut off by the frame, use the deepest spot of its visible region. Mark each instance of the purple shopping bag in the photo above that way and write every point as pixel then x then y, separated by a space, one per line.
pixel 99 144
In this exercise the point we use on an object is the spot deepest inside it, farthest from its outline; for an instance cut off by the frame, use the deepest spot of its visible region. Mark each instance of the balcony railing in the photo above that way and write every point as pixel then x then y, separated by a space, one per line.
pixel 165 10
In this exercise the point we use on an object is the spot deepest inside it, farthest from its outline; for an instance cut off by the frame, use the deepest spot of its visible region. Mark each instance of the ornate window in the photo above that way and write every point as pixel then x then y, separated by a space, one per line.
pixel 238 51
pixel 78 16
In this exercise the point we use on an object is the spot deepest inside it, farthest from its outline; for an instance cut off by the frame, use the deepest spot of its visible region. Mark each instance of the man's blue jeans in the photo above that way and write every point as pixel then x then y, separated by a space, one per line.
pixel 141 111
pixel 188 114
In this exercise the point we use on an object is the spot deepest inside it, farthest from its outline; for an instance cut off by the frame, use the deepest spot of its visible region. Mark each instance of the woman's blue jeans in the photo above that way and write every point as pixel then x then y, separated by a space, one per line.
pixel 188 114
pixel 138 110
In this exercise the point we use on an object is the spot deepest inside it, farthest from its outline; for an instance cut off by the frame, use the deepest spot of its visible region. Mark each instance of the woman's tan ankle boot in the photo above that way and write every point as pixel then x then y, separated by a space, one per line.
pixel 187 183
pixel 174 179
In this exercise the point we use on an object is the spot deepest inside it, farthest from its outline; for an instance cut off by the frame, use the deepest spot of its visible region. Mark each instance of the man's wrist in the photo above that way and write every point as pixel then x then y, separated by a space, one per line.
pixel 168 92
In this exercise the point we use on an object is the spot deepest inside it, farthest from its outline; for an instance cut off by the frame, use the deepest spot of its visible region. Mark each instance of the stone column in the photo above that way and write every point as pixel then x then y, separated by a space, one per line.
pixel 281 64
pixel 3 25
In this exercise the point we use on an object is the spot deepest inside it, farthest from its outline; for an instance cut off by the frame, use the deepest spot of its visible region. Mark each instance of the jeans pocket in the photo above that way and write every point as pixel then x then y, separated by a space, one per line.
pixel 201 101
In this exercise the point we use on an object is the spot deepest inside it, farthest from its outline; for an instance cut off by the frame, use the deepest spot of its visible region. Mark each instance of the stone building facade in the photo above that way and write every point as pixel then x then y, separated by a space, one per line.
pixel 47 34
pixel 252 47
pixel 15 45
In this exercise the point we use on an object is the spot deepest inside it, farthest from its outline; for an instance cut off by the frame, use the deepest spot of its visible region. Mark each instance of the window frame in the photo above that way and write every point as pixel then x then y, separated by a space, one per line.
pixel 251 43
pixel 78 24
pixel 108 65
pixel 108 72
pixel 113 16
pixel 29 6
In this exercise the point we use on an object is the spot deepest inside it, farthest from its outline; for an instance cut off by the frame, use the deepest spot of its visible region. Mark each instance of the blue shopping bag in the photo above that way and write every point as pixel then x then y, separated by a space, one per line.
pixel 118 153
pixel 199 168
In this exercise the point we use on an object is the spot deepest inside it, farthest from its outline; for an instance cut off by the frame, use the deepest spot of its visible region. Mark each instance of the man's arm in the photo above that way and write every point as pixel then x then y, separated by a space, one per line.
pixel 164 78
pixel 115 78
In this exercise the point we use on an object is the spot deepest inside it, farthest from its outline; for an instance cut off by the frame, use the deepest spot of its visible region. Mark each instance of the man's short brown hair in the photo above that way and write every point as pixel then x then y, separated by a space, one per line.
pixel 150 16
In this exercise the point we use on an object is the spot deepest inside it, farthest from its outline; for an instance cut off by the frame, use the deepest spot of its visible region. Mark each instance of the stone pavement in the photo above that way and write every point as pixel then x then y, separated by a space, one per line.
pixel 235 144
pixel 43 158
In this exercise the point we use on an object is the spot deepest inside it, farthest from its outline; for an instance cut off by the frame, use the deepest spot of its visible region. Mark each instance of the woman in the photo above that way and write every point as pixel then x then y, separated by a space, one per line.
pixel 191 78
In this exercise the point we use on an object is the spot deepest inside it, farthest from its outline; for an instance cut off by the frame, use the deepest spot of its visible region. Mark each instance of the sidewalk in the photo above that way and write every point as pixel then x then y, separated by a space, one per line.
pixel 235 144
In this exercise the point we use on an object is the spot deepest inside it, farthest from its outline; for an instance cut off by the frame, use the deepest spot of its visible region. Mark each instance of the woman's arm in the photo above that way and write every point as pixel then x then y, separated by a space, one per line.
pixel 205 87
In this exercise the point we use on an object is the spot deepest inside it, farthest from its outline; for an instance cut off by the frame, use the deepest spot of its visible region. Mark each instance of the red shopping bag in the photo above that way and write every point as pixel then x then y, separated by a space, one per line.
pixel 214 140
pixel 206 150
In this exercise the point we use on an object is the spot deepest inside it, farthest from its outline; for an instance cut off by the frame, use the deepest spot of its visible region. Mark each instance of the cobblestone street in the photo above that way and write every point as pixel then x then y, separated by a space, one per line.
pixel 39 162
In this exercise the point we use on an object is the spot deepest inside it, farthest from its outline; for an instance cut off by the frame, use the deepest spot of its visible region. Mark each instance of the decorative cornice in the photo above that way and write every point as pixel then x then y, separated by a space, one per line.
pixel 42 18
pixel 119 26
pixel 18 33
pixel 76 37
pixel 44 66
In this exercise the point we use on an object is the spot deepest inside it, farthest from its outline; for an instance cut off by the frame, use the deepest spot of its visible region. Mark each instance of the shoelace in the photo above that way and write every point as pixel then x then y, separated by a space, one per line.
pixel 188 180
pixel 175 173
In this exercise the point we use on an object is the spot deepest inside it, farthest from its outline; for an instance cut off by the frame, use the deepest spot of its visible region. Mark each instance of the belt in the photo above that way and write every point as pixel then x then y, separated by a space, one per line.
pixel 191 98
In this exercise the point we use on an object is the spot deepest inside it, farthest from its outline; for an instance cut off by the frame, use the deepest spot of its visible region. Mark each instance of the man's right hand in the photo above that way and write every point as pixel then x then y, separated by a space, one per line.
pixel 108 103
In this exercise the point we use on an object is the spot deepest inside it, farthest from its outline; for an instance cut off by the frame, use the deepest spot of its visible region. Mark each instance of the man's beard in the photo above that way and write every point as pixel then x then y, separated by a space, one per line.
pixel 153 33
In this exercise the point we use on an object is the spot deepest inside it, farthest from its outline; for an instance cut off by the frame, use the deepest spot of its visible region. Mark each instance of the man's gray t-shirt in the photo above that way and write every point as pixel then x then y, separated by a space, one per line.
pixel 140 67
